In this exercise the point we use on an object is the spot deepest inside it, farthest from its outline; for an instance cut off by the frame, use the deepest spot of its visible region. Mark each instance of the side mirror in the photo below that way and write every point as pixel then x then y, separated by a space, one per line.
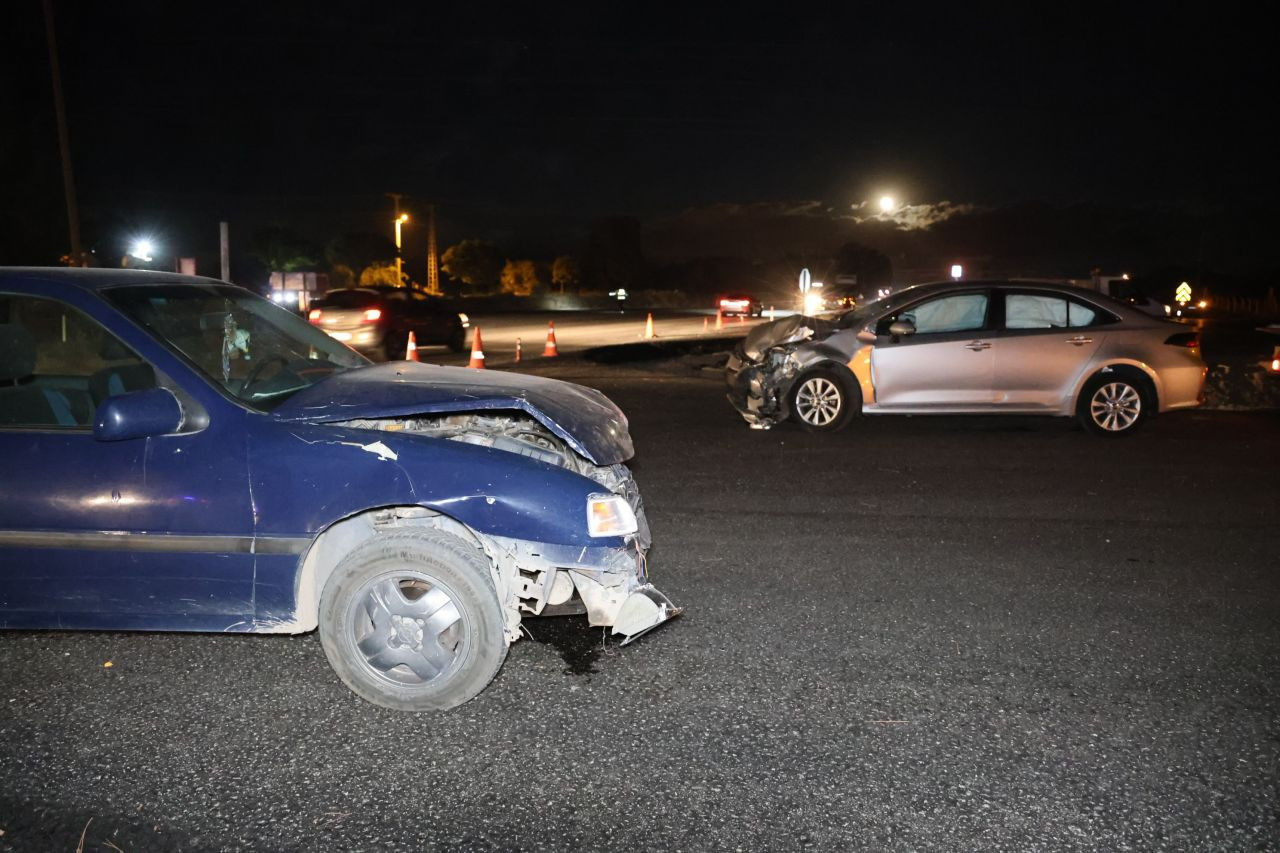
pixel 902 327
pixel 867 336
pixel 137 415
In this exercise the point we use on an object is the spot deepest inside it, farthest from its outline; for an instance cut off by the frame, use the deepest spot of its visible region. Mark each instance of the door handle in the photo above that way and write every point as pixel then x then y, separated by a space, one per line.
pixel 1079 340
pixel 977 346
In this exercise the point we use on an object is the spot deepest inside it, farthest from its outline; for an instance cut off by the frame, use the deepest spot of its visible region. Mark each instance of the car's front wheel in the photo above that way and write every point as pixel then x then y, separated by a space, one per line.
pixel 1113 404
pixel 824 400
pixel 458 339
pixel 410 621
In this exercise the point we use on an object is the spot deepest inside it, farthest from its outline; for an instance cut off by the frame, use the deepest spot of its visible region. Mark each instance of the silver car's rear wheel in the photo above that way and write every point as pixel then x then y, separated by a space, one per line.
pixel 410 620
pixel 1112 405
pixel 823 400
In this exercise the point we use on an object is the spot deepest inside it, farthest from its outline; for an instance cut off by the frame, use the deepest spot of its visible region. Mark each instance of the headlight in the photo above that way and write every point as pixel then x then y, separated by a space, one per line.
pixel 464 320
pixel 610 515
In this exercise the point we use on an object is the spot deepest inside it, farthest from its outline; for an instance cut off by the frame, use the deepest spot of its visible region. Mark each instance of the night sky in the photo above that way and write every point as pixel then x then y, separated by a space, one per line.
pixel 525 125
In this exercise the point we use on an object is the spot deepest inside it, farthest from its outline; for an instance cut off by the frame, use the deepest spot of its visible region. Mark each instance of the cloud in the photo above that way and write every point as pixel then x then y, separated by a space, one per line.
pixel 911 217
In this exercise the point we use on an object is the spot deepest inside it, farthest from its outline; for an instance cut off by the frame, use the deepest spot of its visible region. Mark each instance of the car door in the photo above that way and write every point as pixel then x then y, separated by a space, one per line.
pixel 148 533
pixel 1047 341
pixel 948 363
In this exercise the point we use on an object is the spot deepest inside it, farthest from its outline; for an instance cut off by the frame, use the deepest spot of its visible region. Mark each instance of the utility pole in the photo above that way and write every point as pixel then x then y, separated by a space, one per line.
pixel 64 144
pixel 224 250
pixel 433 261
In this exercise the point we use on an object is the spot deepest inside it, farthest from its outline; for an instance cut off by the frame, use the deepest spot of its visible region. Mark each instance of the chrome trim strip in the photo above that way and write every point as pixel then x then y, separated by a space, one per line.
pixel 111 540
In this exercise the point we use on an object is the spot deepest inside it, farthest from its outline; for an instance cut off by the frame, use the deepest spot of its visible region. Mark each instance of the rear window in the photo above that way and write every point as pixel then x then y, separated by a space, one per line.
pixel 349 299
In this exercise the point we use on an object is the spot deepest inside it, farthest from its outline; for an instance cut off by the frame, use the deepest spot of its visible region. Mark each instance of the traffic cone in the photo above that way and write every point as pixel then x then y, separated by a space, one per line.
pixel 411 349
pixel 742 318
pixel 705 321
pixel 719 319
pixel 517 350
pixel 477 351
pixel 771 314
pixel 648 328
pixel 550 351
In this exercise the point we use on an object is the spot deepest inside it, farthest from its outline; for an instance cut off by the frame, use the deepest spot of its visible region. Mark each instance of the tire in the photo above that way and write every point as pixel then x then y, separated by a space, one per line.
pixel 394 345
pixel 410 621
pixel 458 339
pixel 824 400
pixel 1114 404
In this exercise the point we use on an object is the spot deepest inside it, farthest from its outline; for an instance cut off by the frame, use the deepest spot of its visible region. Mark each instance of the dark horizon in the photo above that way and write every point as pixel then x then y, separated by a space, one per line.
pixel 526 129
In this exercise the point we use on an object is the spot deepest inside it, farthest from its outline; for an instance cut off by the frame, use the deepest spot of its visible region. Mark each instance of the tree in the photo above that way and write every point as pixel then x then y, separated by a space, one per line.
pixel 282 250
pixel 565 272
pixel 380 274
pixel 521 278
pixel 475 263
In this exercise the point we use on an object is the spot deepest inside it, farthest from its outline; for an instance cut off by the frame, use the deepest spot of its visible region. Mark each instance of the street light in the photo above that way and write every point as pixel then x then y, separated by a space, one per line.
pixel 400 220
pixel 141 249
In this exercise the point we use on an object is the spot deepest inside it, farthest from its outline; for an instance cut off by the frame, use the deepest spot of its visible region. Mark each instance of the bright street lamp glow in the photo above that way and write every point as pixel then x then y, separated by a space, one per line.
pixel 957 271
pixel 887 204
pixel 404 217
pixel 141 249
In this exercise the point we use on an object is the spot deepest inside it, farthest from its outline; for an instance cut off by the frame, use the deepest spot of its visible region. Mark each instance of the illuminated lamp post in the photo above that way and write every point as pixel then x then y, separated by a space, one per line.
pixel 400 220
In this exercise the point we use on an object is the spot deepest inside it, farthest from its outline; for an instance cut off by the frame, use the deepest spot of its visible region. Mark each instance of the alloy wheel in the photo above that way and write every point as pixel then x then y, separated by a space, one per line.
pixel 1115 406
pixel 819 401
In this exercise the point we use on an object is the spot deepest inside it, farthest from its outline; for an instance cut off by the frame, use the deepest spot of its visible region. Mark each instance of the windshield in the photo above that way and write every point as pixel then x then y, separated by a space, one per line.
pixel 253 350
pixel 861 314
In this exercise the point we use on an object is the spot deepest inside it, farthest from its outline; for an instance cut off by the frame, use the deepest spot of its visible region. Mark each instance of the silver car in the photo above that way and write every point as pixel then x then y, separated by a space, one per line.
pixel 974 347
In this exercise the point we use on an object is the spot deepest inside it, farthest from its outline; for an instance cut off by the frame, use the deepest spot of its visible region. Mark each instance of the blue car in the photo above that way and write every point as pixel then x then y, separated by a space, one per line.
pixel 177 454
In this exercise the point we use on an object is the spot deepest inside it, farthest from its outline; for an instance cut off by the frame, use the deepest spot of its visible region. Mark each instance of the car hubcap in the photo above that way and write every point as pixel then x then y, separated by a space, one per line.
pixel 1115 406
pixel 408 628
pixel 818 401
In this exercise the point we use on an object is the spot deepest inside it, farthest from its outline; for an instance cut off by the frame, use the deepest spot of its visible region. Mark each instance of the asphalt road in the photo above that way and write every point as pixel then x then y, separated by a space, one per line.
pixel 949 633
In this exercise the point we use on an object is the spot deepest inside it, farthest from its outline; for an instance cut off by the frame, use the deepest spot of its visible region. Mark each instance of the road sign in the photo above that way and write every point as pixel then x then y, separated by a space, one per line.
pixel 1183 293
pixel 805 280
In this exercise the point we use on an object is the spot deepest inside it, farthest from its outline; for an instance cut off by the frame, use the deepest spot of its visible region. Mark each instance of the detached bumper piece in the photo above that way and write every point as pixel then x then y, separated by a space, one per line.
pixel 644 610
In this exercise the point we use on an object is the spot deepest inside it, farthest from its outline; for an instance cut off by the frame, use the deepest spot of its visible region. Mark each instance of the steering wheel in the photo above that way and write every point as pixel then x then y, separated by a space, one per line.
pixel 256 373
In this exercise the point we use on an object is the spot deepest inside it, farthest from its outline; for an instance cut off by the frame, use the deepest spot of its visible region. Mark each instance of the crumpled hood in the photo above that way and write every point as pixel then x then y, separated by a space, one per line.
pixel 586 419
pixel 788 330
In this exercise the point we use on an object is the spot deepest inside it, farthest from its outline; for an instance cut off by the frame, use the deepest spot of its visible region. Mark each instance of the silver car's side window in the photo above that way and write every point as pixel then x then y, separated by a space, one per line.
pixel 959 313
pixel 1031 311
pixel 1041 311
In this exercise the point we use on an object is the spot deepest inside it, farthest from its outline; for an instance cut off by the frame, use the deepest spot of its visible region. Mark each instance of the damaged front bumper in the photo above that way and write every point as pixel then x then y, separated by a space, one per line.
pixel 758 389
pixel 610 585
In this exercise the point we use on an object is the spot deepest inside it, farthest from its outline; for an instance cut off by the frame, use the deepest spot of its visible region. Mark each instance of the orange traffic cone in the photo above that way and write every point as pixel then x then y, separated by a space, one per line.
pixel 742 318
pixel 550 351
pixel 648 328
pixel 719 319
pixel 517 350
pixel 705 321
pixel 477 351
pixel 411 349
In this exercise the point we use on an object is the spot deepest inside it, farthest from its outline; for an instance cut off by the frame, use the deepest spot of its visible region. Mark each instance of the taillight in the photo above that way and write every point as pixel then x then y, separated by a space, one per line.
pixel 372 315
pixel 314 315
pixel 1190 340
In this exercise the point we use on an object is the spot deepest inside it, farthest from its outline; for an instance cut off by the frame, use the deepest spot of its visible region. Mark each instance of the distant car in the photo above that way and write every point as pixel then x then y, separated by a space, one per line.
pixel 739 304
pixel 970 347
pixel 377 320
pixel 182 455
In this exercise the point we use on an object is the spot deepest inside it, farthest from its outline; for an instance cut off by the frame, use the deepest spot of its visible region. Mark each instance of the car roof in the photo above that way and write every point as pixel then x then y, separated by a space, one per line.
pixel 97 278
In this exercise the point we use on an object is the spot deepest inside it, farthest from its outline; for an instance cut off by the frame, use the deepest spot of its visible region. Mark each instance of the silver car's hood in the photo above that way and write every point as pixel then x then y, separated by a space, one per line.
pixel 788 330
